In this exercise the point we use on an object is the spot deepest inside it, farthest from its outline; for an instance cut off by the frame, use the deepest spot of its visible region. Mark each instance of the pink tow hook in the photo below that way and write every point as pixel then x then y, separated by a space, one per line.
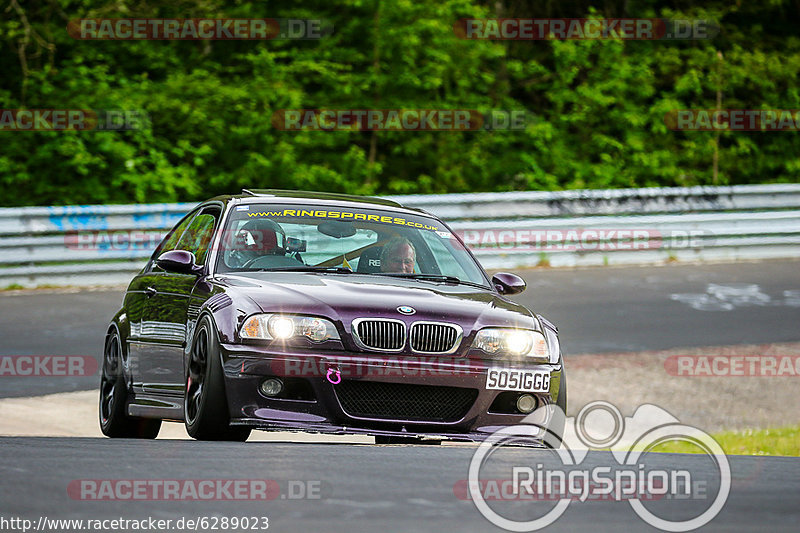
pixel 335 372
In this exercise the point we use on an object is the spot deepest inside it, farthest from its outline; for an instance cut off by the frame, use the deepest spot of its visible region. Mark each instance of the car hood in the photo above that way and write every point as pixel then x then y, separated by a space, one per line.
pixel 345 297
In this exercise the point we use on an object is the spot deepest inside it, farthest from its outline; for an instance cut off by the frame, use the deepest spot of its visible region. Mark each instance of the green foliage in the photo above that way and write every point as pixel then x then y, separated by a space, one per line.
pixel 599 105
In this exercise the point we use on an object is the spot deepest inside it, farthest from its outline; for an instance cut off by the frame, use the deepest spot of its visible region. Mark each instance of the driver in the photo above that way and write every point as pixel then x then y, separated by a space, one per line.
pixel 256 238
pixel 398 256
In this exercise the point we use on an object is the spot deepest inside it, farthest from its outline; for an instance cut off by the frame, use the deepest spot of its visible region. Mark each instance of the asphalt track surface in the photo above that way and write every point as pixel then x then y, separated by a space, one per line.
pixel 597 310
pixel 362 487
pixel 410 488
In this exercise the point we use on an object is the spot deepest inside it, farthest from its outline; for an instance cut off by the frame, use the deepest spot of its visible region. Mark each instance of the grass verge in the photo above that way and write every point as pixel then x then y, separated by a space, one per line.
pixel 776 441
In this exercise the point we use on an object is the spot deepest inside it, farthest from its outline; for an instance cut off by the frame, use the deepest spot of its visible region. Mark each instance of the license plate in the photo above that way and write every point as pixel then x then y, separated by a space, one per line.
pixel 518 380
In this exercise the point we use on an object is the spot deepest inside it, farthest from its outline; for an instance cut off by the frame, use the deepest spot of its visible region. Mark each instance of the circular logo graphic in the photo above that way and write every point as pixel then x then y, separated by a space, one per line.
pixel 598 441
pixel 598 426
pixel 406 310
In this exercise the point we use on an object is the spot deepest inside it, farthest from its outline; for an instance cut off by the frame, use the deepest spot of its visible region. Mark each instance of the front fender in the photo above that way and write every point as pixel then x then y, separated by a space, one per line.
pixel 227 307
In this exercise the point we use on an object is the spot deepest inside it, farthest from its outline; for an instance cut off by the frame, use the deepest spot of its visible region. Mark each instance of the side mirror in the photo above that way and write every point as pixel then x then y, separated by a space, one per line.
pixel 178 261
pixel 507 283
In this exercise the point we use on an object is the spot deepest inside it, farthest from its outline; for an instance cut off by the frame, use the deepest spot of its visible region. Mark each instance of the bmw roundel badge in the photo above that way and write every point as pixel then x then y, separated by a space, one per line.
pixel 406 310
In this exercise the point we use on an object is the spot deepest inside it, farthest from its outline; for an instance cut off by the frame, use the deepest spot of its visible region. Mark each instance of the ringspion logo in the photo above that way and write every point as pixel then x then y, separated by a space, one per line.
pixel 565 475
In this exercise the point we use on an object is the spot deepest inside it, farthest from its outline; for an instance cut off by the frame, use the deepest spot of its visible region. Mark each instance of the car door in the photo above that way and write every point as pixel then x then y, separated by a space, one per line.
pixel 139 292
pixel 164 324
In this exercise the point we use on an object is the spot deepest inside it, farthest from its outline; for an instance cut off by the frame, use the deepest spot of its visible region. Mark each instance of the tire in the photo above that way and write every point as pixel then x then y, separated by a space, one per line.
pixel 386 439
pixel 114 421
pixel 555 433
pixel 205 405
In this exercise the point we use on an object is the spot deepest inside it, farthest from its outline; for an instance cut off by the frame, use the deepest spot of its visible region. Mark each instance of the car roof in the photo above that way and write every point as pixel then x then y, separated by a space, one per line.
pixel 268 196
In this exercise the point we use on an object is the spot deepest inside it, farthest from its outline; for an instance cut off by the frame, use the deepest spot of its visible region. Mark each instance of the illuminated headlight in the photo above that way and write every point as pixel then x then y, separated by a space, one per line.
pixel 516 342
pixel 282 327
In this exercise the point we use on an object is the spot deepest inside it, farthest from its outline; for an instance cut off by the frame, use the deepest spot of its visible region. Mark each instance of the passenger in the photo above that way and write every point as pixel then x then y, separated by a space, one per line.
pixel 398 256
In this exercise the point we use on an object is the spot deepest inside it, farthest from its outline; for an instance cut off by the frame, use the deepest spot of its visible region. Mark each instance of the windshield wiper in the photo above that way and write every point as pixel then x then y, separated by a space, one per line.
pixel 308 268
pixel 435 277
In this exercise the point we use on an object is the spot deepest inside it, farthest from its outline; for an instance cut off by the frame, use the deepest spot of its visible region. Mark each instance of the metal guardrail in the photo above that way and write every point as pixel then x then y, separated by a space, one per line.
pixel 675 200
pixel 50 245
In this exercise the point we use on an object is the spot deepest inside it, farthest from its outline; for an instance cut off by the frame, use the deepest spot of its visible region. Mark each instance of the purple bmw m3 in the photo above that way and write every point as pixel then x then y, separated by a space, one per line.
pixel 294 311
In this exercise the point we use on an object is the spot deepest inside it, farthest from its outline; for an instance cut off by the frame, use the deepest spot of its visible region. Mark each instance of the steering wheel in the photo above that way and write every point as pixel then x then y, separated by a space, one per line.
pixel 249 263
pixel 272 261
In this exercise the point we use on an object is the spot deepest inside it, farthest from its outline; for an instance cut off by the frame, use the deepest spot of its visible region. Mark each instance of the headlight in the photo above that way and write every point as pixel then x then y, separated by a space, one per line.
pixel 552 344
pixel 269 327
pixel 516 342
pixel 280 327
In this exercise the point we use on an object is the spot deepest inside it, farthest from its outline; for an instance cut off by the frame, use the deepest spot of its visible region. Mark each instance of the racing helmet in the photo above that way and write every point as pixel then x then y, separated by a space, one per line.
pixel 261 237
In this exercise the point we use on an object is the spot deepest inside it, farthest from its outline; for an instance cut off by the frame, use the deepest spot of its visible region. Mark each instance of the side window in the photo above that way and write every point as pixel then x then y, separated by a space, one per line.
pixel 172 237
pixel 197 237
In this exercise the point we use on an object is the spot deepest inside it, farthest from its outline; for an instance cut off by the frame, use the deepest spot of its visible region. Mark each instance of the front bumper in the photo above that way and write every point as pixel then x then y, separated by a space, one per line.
pixel 320 409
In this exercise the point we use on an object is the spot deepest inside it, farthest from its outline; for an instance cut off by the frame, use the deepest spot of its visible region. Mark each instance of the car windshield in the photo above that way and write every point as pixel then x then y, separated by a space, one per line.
pixel 259 237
